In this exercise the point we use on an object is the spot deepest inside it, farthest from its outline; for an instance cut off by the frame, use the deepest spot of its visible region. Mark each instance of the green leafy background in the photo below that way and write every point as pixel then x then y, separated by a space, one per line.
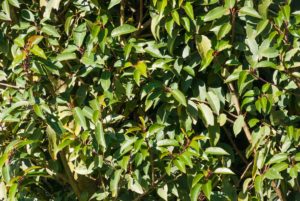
pixel 150 100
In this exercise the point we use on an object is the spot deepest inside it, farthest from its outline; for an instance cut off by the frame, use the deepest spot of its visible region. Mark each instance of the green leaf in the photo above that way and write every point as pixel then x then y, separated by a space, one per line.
pixel 195 192
pixel 176 17
pixel 99 196
pixel 137 77
pixel 114 182
pixel 66 56
pixel 272 174
pixel 203 45
pixel 215 13
pixel 79 117
pixel 280 166
pixel 6 14
pixel 169 26
pixel 180 165
pixel 124 162
pixel 112 3
pixel 268 52
pixel 277 158
pixel 105 80
pixel 122 30
pixel 186 158
pixel 247 10
pixel 50 30
pixel 229 3
pixel 14 3
pixel 238 125
pixel 223 170
pixel 222 118
pixel 36 50
pixel 134 185
pixel 79 34
pixel 224 30
pixel 293 172
pixel 297 156
pixel 167 142
pixel 3 76
pixel 185 21
pixel 207 188
pixel 188 8
pixel 12 192
pixel 99 134
pixel 163 192
pixel 216 151
pixel 258 185
pixel 213 101
pixel 142 68
pixel 155 128
pixel 206 114
pixel 179 96
pixel 127 143
pixel 38 111
pixel 12 107
pixel 52 141
pixel 82 169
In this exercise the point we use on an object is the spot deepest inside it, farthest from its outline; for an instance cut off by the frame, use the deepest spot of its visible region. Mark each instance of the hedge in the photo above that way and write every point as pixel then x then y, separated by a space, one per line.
pixel 150 100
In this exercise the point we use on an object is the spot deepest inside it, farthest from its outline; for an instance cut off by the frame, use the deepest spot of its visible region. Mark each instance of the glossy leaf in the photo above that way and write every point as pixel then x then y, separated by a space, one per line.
pixel 122 30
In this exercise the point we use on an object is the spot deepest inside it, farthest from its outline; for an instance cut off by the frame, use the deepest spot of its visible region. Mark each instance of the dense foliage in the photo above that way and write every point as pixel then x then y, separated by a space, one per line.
pixel 150 100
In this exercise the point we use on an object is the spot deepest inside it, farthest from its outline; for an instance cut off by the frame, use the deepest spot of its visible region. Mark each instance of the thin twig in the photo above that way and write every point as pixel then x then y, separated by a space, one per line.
pixel 11 86
pixel 246 170
pixel 140 14
pixel 122 18
pixel 237 106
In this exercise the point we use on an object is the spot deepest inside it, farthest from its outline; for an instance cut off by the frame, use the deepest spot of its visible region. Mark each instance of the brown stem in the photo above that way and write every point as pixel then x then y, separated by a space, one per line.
pixel 278 191
pixel 141 4
pixel 233 15
pixel 246 170
pixel 122 12
pixel 122 18
pixel 237 106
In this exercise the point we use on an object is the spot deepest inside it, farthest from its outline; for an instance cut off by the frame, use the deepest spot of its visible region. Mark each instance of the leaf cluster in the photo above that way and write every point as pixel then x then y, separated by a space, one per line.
pixel 150 100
